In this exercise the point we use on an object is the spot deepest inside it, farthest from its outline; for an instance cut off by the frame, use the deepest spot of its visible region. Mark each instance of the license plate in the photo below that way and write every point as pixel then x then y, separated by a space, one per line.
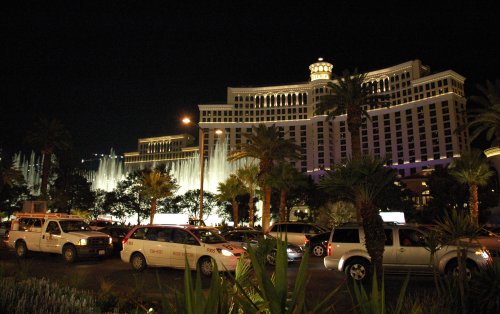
pixel 102 252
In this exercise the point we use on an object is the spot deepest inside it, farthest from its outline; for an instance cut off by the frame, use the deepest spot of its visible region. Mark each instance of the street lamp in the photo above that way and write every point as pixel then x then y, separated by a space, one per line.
pixel 187 121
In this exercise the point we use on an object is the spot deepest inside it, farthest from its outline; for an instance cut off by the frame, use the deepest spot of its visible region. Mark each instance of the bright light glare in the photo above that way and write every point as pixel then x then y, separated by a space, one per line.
pixel 186 120
pixel 218 132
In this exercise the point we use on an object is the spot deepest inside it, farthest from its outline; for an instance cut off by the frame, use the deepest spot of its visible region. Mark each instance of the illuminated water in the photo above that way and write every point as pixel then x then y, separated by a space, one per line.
pixel 31 168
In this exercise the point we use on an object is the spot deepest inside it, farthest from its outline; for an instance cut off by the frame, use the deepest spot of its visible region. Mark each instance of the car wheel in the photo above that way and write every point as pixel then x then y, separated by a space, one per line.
pixel 357 269
pixel 271 257
pixel 205 264
pixel 21 249
pixel 452 269
pixel 69 253
pixel 138 262
pixel 318 250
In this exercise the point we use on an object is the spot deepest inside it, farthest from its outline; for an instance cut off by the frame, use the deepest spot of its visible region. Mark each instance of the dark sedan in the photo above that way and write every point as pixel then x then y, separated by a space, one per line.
pixel 117 234
pixel 318 243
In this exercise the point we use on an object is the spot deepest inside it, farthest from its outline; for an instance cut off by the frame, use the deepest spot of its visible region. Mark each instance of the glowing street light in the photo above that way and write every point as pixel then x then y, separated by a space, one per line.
pixel 187 120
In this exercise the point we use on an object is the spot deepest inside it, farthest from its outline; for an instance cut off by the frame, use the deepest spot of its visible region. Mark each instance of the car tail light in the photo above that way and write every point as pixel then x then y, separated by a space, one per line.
pixel 125 239
pixel 329 249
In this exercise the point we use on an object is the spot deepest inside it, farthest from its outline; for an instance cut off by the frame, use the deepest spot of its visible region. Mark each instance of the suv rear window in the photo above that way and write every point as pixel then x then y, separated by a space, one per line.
pixel 346 235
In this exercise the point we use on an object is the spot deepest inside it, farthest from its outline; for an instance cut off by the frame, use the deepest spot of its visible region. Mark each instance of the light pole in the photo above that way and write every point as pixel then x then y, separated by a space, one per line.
pixel 186 120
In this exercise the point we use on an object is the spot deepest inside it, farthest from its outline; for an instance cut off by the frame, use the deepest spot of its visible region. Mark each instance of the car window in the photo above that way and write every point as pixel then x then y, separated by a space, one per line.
pixel 184 237
pixel 280 228
pixel 389 239
pixel 53 228
pixel 208 236
pixel 346 236
pixel 139 234
pixel 74 225
pixel 159 234
pixel 298 228
pixel 411 237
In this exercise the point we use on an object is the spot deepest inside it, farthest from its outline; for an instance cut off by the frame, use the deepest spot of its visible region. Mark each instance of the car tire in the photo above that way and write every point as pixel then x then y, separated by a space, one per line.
pixel 357 269
pixel 138 262
pixel 452 268
pixel 69 254
pixel 271 257
pixel 21 249
pixel 318 250
pixel 206 266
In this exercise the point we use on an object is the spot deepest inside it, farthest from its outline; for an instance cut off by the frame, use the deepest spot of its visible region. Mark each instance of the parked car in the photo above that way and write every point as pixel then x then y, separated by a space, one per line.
pixel 295 232
pixel 249 237
pixel 404 251
pixel 318 243
pixel 99 224
pixel 169 245
pixel 5 228
pixel 117 234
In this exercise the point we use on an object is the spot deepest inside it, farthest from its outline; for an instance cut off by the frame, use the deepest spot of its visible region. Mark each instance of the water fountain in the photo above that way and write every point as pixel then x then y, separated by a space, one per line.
pixel 31 169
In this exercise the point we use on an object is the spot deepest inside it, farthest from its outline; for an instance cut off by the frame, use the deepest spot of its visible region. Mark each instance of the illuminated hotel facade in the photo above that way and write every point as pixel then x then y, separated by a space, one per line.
pixel 160 150
pixel 415 132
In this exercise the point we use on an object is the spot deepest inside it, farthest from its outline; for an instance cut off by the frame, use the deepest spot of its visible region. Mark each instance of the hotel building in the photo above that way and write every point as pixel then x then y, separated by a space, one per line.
pixel 160 150
pixel 415 132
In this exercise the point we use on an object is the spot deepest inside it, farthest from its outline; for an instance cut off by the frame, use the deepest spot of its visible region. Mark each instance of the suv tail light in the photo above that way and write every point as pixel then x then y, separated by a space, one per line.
pixel 125 239
pixel 329 249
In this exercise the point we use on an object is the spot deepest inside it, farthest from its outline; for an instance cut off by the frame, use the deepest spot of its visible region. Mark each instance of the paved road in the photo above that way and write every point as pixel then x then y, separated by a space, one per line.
pixel 93 274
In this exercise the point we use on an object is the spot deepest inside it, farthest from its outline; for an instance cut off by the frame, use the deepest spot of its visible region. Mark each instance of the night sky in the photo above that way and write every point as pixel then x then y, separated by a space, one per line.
pixel 116 71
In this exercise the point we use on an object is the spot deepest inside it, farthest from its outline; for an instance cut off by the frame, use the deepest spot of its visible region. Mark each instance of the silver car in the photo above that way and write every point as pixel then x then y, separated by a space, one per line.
pixel 404 251
pixel 248 237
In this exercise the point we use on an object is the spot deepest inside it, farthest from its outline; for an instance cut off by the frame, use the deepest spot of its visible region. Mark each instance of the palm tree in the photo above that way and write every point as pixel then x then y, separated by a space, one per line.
pixel 284 177
pixel 248 176
pixel 485 117
pixel 228 191
pixel 350 95
pixel 361 180
pixel 472 169
pixel 49 136
pixel 266 145
pixel 156 184
pixel 9 175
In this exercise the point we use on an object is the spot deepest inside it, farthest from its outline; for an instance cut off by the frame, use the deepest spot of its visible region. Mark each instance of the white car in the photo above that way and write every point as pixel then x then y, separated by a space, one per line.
pixel 168 246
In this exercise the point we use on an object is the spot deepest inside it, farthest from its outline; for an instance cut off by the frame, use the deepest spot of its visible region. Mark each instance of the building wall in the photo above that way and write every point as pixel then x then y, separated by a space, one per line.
pixel 415 132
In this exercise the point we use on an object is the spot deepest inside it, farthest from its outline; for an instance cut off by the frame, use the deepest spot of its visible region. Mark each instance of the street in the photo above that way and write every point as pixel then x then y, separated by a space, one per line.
pixel 112 273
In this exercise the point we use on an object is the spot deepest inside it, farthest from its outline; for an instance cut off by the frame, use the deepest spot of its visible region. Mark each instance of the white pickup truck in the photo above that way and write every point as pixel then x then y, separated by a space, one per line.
pixel 68 235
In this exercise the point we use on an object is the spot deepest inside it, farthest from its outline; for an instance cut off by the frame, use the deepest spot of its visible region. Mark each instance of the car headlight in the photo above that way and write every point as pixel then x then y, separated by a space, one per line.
pixel 82 242
pixel 110 240
pixel 289 250
pixel 483 253
pixel 225 252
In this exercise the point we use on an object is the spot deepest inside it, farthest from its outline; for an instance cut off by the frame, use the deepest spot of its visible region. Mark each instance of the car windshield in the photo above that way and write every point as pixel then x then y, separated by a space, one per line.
pixel 74 225
pixel 208 236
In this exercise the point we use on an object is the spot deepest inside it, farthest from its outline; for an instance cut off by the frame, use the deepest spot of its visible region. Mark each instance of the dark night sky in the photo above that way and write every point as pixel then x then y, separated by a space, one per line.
pixel 116 71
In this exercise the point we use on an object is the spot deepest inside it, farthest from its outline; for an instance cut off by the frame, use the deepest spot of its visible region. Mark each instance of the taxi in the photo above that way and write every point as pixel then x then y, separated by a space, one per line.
pixel 169 245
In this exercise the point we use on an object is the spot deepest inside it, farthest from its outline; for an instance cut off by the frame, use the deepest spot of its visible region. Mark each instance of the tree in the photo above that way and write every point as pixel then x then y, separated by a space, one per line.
pixel 249 177
pixel 71 191
pixel 361 180
pixel 350 95
pixel 284 177
pixel 267 146
pixel 9 175
pixel 486 116
pixel 472 169
pixel 156 184
pixel 190 203
pixel 229 190
pixel 49 136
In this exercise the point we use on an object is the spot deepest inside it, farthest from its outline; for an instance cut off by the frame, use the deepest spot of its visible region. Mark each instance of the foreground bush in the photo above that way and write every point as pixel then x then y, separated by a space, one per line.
pixel 35 295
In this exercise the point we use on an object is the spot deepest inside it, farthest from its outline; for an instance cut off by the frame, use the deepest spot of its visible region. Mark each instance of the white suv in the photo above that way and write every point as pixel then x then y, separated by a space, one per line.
pixel 168 246
pixel 404 251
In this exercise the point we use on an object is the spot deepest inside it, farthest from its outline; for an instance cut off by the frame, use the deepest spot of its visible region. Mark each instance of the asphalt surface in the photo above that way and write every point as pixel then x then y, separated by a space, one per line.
pixel 98 275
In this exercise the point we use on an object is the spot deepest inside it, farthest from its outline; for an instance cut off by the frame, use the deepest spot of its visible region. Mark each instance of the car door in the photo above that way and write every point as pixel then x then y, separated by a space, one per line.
pixel 183 244
pixel 156 246
pixel 51 238
pixel 390 256
pixel 411 252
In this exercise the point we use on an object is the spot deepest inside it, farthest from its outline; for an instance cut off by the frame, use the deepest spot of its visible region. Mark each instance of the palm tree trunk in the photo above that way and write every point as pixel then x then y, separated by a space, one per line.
pixel 251 211
pixel 45 174
pixel 354 118
pixel 474 204
pixel 153 210
pixel 266 209
pixel 235 212
pixel 373 227
pixel 355 143
pixel 282 206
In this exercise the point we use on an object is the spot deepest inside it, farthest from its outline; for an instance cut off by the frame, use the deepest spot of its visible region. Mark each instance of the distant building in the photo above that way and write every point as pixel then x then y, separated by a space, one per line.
pixel 160 150
pixel 415 132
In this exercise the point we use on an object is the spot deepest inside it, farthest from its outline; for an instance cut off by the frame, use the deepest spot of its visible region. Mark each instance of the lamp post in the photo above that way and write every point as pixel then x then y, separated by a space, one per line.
pixel 202 161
